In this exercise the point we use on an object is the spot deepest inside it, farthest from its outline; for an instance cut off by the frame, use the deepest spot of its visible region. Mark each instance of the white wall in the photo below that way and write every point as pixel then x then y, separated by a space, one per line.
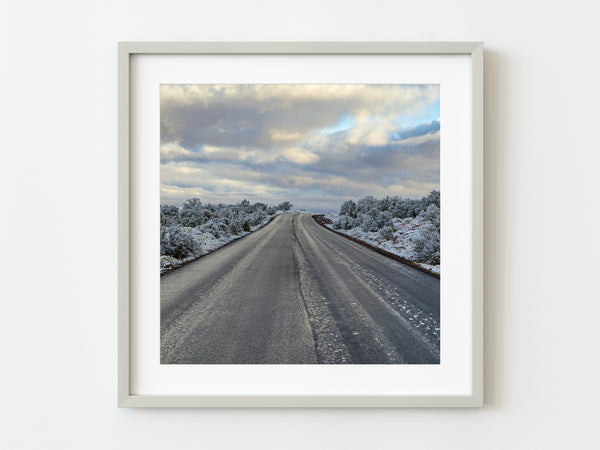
pixel 58 124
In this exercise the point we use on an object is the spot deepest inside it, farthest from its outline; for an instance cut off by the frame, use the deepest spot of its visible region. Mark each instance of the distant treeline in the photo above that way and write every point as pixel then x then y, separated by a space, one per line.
pixel 183 229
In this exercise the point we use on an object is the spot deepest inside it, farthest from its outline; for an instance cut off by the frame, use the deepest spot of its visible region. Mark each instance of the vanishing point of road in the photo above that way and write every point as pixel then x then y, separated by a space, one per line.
pixel 294 292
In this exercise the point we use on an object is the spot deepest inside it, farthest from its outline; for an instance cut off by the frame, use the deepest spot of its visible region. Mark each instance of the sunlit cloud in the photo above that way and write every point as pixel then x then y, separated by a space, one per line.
pixel 300 156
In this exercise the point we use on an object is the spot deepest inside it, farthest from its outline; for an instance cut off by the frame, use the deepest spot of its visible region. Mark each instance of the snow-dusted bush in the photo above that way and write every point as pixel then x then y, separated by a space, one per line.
pixel 169 215
pixel 367 223
pixel 216 227
pixel 348 209
pixel 342 223
pixel 431 215
pixel 427 239
pixel 427 244
pixel 434 198
pixel 381 219
pixel 386 233
pixel 178 242
pixel 257 217
pixel 366 206
pixel 235 226
pixel 167 262
pixel 193 213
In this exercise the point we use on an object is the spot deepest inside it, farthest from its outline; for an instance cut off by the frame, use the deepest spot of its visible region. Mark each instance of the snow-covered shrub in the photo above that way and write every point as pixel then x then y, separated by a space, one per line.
pixel 218 228
pixel 386 233
pixel 382 219
pixel 169 215
pixel 178 242
pixel 368 223
pixel 348 209
pixel 427 244
pixel 342 223
pixel 431 215
pixel 193 213
pixel 427 239
pixel 167 262
pixel 257 217
pixel 235 226
pixel 434 198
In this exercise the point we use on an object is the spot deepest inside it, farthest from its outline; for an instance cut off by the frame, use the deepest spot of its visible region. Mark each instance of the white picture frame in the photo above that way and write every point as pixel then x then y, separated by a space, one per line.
pixel 472 262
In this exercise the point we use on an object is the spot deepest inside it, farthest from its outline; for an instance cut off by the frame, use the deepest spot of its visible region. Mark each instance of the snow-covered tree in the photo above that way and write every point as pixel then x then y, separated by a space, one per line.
pixel 348 208
pixel 169 215
pixel 366 204
pixel 285 206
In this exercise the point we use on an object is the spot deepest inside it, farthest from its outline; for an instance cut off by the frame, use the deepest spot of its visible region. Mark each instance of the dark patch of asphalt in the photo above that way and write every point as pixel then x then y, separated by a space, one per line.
pixel 296 293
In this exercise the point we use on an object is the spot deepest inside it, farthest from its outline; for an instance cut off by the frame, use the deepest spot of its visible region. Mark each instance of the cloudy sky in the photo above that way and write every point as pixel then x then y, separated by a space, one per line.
pixel 313 145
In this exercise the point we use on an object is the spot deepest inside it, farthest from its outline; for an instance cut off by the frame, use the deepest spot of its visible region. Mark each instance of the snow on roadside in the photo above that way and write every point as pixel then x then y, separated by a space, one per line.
pixel 208 244
pixel 401 244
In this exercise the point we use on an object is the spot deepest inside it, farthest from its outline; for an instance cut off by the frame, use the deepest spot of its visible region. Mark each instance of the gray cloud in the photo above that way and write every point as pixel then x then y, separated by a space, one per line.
pixel 314 145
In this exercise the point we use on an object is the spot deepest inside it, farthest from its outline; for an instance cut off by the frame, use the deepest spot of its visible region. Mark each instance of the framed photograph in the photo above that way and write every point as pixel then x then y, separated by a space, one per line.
pixel 300 224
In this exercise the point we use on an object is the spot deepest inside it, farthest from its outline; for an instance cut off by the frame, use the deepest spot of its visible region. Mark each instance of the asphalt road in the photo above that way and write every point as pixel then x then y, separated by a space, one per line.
pixel 296 293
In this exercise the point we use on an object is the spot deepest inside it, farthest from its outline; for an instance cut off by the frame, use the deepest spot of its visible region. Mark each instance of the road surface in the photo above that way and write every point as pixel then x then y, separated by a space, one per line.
pixel 293 292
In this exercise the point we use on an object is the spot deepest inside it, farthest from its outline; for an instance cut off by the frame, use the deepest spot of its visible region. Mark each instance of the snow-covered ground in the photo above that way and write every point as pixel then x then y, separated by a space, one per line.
pixel 208 243
pixel 401 244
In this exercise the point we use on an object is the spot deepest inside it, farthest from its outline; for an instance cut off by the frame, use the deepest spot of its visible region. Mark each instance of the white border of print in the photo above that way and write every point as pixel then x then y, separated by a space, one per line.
pixel 457 381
